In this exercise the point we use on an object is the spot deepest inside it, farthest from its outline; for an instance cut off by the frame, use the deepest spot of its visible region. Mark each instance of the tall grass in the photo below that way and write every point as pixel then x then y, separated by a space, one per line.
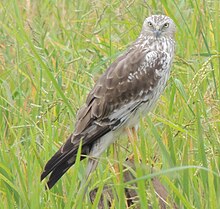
pixel 52 52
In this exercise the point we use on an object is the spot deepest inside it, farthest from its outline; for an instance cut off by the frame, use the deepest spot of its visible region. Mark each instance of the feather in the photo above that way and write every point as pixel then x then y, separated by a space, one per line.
pixel 128 89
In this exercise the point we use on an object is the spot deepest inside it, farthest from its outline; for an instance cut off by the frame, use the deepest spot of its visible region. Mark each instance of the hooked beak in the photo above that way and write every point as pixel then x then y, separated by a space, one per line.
pixel 157 31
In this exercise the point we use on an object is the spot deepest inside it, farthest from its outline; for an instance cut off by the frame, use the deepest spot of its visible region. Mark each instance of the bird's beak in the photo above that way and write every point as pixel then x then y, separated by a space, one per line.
pixel 157 31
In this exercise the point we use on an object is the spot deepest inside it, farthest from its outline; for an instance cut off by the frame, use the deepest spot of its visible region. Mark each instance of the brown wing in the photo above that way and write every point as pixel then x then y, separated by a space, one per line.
pixel 120 85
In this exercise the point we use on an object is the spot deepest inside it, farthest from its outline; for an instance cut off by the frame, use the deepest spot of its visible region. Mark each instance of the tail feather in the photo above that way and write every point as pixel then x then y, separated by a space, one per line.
pixel 57 173
pixel 61 156
pixel 55 162
pixel 65 157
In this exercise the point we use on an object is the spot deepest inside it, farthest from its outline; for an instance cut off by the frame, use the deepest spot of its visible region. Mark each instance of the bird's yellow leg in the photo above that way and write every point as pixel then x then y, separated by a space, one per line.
pixel 133 138
pixel 116 165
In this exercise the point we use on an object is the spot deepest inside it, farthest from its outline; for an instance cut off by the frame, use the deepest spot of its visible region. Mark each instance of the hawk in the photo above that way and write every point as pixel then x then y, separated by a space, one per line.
pixel 127 90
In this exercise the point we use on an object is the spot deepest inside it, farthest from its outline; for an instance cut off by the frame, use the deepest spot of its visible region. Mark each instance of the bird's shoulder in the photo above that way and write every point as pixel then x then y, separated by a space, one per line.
pixel 131 73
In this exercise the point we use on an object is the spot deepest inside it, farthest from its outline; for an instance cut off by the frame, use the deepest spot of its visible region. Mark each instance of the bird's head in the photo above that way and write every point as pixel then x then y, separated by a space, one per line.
pixel 158 26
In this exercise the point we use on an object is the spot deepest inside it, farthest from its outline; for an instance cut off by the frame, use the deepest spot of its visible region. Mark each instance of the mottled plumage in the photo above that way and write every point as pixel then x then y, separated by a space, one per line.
pixel 127 90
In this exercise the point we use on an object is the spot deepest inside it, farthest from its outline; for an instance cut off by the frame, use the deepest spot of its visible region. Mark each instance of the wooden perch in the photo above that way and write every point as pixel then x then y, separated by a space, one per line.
pixel 132 200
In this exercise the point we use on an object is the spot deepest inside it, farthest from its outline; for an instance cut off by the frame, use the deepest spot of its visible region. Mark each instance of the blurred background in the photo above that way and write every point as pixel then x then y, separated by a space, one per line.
pixel 51 54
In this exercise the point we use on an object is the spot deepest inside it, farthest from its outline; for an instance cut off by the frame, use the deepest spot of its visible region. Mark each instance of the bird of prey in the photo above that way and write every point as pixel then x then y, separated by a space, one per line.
pixel 127 90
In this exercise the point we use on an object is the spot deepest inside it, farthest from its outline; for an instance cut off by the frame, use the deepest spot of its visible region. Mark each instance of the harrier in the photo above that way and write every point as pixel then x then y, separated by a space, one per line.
pixel 126 91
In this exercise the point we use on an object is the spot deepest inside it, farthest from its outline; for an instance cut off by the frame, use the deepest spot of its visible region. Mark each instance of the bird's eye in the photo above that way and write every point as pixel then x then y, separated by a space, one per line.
pixel 150 24
pixel 166 25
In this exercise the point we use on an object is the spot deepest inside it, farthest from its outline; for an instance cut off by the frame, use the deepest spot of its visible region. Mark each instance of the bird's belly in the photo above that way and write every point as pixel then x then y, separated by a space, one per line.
pixel 147 106
pixel 151 98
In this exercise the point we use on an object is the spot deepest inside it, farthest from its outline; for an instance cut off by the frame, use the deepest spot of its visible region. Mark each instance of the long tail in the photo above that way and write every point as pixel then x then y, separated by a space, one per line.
pixel 65 157
pixel 62 160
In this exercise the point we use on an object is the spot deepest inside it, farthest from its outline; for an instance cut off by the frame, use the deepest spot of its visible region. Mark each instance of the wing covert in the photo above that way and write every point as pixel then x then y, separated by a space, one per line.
pixel 132 76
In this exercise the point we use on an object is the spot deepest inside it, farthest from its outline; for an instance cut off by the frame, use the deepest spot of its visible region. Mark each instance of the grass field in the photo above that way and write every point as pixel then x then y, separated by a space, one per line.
pixel 51 54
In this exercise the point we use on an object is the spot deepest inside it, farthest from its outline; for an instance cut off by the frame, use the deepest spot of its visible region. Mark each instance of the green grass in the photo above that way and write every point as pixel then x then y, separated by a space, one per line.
pixel 51 53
